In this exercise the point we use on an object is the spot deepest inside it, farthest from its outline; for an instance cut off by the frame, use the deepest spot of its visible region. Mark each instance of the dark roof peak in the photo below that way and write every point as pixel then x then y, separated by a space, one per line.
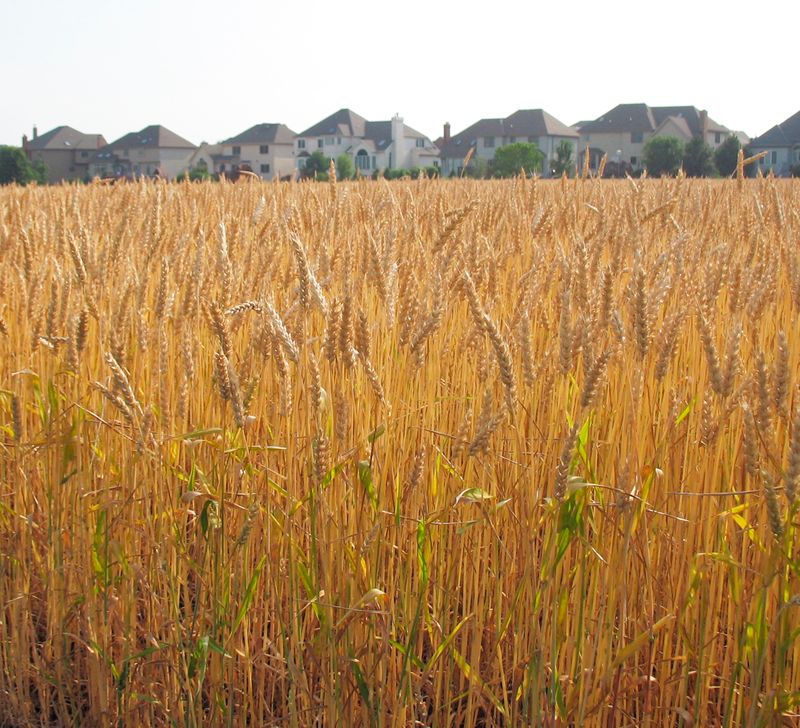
pixel 154 136
pixel 521 125
pixel 65 137
pixel 266 133
pixel 785 134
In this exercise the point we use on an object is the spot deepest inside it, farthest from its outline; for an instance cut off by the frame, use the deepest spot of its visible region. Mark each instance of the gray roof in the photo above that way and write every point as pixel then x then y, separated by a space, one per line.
pixel 522 123
pixel 622 118
pixel 347 123
pixel 152 137
pixel 344 122
pixel 626 118
pixel 785 134
pixel 690 114
pixel 536 122
pixel 65 137
pixel 264 134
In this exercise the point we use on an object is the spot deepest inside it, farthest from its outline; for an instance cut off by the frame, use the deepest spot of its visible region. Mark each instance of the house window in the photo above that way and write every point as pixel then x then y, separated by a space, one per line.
pixel 237 151
pixel 331 141
pixel 263 149
pixel 637 137
pixel 533 140
pixel 488 142
pixel 586 138
pixel 774 157
pixel 301 163
pixel 319 143
pixel 338 140
pixel 221 167
pixel 362 159
pixel 264 169
pixel 633 161
pixel 512 140
pixel 84 154
pixel 717 137
pixel 420 142
pixel 301 143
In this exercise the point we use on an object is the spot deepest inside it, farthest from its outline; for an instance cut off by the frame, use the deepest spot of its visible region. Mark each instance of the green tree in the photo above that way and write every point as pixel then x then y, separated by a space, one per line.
pixel 511 158
pixel 15 167
pixel 317 166
pixel 726 155
pixel 563 161
pixel 663 155
pixel 698 159
pixel 344 167
pixel 199 173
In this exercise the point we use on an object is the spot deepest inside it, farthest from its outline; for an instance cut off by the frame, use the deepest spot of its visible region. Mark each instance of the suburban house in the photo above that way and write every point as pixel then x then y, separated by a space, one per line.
pixel 373 145
pixel 265 149
pixel 622 132
pixel 534 126
pixel 153 151
pixel 64 151
pixel 782 145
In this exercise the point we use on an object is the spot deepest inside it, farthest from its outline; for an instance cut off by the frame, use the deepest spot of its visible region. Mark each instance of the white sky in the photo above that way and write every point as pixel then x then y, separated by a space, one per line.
pixel 208 70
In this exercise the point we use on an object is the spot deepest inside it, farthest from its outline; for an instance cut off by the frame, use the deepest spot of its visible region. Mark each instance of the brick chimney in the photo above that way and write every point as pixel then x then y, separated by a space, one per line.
pixel 704 124
pixel 35 131
pixel 446 132
pixel 24 141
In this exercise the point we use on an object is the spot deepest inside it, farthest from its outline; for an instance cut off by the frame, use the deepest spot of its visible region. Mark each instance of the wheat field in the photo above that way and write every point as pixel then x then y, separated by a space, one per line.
pixel 429 453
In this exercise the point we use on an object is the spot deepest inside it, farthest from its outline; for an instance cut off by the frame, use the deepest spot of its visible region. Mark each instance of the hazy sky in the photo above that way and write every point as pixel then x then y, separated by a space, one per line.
pixel 208 70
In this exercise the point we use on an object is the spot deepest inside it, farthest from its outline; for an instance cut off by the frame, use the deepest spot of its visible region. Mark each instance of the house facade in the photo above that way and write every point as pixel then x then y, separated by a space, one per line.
pixel 265 149
pixel 64 151
pixel 484 137
pixel 782 145
pixel 621 133
pixel 153 151
pixel 372 145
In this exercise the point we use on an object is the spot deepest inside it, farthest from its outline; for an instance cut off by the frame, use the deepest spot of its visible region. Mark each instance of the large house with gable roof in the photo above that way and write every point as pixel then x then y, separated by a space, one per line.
pixel 153 151
pixel 64 151
pixel 782 145
pixel 373 145
pixel 265 149
pixel 486 136
pixel 622 132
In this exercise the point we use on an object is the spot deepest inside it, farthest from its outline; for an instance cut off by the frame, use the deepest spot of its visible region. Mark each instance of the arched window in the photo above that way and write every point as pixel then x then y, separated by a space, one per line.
pixel 362 159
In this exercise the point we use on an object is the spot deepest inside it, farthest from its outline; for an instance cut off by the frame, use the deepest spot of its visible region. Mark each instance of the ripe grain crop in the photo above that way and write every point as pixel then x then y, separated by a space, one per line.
pixel 445 453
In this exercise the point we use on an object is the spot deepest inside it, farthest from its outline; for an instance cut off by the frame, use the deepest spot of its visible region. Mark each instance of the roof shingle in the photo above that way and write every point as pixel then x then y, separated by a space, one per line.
pixel 347 123
pixel 785 134
pixel 522 123
pixel 152 137
pixel 65 137
pixel 264 134
pixel 626 118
